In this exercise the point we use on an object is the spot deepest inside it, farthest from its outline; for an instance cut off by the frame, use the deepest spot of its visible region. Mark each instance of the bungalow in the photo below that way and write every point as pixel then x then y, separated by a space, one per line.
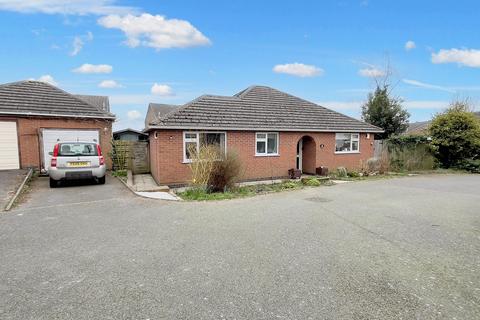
pixel 35 115
pixel 271 131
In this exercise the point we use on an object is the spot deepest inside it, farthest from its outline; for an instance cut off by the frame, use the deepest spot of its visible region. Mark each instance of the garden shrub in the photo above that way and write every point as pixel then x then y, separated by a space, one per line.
pixel 225 173
pixel 214 171
pixel 341 172
pixel 455 135
pixel 471 165
pixel 312 182
pixel 353 174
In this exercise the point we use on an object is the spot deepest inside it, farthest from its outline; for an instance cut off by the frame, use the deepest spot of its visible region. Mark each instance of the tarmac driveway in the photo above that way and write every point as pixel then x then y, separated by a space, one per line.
pixel 406 248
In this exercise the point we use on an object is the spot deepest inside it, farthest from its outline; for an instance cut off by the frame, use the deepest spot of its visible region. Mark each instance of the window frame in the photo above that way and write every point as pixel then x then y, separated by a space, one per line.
pixel 266 154
pixel 197 141
pixel 351 142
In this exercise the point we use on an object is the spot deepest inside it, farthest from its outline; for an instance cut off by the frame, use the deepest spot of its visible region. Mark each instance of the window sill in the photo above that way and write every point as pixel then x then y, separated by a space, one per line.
pixel 347 152
pixel 267 155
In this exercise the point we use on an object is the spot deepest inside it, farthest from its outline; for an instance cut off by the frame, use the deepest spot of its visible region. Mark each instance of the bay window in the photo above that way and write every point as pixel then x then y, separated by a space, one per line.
pixel 266 144
pixel 192 141
pixel 347 142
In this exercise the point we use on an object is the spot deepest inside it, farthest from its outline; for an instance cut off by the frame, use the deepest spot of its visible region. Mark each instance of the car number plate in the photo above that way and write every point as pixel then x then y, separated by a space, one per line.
pixel 79 164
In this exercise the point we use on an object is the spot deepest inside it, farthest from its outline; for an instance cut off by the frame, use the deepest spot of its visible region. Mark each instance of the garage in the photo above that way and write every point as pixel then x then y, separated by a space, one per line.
pixel 35 115
pixel 9 158
pixel 50 137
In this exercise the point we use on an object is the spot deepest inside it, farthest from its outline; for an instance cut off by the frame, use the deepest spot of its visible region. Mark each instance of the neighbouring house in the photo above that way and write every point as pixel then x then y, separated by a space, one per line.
pixel 271 131
pixel 35 115
pixel 158 110
pixel 421 127
pixel 130 135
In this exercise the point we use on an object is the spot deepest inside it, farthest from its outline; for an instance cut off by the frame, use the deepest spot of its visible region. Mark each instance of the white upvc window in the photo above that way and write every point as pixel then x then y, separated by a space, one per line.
pixel 193 140
pixel 266 143
pixel 347 143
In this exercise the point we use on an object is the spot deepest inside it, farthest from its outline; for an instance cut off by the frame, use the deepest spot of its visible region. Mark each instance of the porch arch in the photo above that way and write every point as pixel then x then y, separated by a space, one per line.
pixel 306 154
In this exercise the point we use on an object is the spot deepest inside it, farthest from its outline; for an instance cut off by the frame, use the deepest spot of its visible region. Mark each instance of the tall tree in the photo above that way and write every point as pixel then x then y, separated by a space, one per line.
pixel 455 134
pixel 385 111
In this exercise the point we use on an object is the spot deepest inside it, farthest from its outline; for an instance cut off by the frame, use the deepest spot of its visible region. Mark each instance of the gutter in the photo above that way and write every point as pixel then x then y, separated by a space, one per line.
pixel 261 129
pixel 56 115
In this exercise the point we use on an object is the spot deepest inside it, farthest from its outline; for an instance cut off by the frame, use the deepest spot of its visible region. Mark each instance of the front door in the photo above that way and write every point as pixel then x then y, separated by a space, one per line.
pixel 300 154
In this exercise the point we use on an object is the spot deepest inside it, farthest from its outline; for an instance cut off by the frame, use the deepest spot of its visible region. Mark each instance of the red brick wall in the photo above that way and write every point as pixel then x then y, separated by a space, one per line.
pixel 166 154
pixel 29 130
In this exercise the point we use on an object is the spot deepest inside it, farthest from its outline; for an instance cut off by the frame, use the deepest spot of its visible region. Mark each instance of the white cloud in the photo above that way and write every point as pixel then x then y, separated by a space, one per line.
pixel 298 69
pixel 465 57
pixel 410 45
pixel 92 68
pixel 162 90
pixel 47 79
pixel 77 46
pixel 427 85
pixel 109 84
pixel 65 7
pixel 134 115
pixel 155 31
pixel 79 42
pixel 371 72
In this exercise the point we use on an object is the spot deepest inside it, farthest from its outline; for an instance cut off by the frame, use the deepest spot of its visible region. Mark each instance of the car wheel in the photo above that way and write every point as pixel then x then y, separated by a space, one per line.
pixel 53 183
pixel 101 180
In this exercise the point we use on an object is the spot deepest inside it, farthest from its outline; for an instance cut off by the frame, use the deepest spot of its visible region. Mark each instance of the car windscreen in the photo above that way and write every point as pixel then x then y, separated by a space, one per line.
pixel 77 149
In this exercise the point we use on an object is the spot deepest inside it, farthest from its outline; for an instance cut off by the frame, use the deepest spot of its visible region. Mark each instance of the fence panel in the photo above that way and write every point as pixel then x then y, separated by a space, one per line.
pixel 132 155
pixel 378 146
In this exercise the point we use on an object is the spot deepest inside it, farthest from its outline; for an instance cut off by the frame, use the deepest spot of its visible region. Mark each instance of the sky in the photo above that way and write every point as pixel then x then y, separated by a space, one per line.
pixel 328 52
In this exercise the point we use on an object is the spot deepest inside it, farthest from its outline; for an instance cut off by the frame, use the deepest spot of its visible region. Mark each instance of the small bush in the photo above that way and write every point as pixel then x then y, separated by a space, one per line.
pixel 312 182
pixel 212 170
pixel 203 164
pixel 470 165
pixel 225 173
pixel 353 174
pixel 289 185
pixel 341 172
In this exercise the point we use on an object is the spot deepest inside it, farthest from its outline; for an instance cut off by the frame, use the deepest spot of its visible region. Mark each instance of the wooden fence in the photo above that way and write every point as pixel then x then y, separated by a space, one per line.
pixel 131 155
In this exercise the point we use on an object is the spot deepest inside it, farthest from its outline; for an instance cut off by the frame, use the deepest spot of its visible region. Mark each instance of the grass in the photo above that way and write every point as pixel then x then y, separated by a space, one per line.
pixel 200 194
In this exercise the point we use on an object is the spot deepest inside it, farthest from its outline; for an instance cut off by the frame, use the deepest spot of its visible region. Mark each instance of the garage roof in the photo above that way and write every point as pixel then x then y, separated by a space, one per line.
pixel 35 98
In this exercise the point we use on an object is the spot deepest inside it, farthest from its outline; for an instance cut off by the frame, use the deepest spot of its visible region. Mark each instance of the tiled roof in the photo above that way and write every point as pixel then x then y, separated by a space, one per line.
pixel 259 108
pixel 422 126
pixel 101 102
pixel 157 111
pixel 417 127
pixel 35 98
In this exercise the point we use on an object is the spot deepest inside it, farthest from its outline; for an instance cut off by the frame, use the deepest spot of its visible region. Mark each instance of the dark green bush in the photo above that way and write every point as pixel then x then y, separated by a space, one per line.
pixel 471 165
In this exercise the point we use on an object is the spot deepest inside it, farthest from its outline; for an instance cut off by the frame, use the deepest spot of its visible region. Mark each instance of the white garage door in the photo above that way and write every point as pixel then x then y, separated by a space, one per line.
pixel 8 145
pixel 50 137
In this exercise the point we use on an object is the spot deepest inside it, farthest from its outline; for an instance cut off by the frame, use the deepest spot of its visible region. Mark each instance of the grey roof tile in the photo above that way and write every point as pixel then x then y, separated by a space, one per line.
pixel 101 102
pixel 35 98
pixel 158 110
pixel 258 108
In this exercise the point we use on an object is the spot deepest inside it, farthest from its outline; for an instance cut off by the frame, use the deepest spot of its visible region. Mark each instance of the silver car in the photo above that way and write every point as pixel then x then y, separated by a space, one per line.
pixel 76 160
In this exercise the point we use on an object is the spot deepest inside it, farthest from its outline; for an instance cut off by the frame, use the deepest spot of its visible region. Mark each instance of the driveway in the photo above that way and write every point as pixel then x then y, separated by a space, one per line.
pixel 406 248
pixel 10 180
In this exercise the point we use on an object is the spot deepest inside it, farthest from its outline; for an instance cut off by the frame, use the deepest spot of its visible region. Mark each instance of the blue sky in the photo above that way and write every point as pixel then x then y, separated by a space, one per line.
pixel 173 51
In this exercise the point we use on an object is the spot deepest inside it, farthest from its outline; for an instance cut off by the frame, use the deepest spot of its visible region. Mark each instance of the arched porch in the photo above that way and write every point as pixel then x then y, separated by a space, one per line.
pixel 306 155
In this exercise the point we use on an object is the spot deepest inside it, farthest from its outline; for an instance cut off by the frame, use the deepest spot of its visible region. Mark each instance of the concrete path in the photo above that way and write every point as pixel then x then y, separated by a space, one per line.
pixel 406 248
